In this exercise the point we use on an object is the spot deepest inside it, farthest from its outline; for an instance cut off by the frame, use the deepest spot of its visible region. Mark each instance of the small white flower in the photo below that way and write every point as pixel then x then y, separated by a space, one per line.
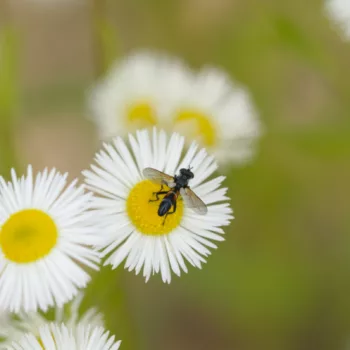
pixel 339 12
pixel 148 89
pixel 45 235
pixel 15 326
pixel 133 230
pixel 61 337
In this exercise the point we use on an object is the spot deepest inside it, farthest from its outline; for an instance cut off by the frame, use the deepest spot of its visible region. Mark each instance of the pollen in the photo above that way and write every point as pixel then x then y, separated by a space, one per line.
pixel 144 214
pixel 197 124
pixel 141 115
pixel 27 236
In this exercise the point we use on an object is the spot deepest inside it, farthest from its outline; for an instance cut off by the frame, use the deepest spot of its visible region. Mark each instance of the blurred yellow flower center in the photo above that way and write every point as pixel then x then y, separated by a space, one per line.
pixel 197 125
pixel 28 235
pixel 141 115
pixel 144 214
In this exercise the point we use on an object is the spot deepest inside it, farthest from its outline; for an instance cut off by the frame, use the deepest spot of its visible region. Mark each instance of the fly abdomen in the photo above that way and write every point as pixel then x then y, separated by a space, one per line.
pixel 164 206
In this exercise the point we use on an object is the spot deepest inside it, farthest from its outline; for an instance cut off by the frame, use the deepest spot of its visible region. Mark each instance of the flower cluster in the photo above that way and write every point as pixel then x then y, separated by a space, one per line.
pixel 148 89
pixel 151 200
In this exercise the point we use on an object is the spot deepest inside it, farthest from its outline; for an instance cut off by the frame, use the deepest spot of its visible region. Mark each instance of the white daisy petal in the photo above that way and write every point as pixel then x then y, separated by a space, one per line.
pixel 174 151
pixel 149 89
pixel 57 336
pixel 13 327
pixel 45 233
pixel 339 12
pixel 132 229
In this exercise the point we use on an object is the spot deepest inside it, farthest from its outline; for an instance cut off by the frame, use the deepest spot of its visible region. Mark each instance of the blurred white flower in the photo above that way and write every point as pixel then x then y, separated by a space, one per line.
pixel 147 89
pixel 44 242
pixel 55 336
pixel 15 326
pixel 133 229
pixel 339 12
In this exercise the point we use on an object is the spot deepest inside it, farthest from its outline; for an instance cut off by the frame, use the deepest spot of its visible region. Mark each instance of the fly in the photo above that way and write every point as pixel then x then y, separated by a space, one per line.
pixel 178 185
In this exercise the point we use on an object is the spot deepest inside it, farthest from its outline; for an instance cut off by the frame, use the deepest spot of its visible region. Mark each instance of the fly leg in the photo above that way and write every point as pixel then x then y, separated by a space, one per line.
pixel 158 194
pixel 170 212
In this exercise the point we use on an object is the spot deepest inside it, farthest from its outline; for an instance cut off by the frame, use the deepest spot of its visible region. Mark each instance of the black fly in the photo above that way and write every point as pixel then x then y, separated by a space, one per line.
pixel 178 186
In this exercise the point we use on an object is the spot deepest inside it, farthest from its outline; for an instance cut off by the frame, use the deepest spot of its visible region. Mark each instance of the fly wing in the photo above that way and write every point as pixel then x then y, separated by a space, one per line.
pixel 158 177
pixel 193 201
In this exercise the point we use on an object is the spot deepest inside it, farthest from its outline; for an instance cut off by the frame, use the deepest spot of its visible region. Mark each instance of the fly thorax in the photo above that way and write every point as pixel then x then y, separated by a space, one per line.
pixel 182 181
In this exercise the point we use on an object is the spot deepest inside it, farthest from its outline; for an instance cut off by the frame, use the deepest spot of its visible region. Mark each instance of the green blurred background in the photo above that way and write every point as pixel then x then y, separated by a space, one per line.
pixel 281 280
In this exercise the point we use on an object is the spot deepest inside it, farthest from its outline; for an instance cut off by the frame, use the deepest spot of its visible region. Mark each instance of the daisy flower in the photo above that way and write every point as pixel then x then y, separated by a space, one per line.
pixel 339 12
pixel 45 235
pixel 15 326
pixel 148 89
pixel 60 337
pixel 133 229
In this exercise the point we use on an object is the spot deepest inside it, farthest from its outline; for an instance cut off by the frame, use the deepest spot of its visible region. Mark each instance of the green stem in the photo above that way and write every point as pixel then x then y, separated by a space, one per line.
pixel 7 150
pixel 105 38
pixel 8 98
pixel 107 293
pixel 99 14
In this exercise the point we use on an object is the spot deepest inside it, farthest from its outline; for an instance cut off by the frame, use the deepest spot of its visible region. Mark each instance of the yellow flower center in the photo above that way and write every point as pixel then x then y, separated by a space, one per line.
pixel 27 236
pixel 141 115
pixel 198 125
pixel 144 214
